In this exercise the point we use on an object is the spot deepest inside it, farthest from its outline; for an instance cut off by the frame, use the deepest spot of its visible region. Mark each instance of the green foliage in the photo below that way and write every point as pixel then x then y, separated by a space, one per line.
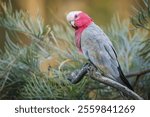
pixel 20 76
pixel 127 43
pixel 142 16
pixel 22 79
pixel 142 20
pixel 145 51
pixel 21 21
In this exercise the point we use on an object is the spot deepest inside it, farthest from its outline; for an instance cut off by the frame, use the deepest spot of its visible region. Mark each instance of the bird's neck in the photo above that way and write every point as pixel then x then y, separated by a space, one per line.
pixel 78 33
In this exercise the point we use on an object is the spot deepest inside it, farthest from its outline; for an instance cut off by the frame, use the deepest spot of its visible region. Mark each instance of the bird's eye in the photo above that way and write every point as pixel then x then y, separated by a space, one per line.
pixel 75 16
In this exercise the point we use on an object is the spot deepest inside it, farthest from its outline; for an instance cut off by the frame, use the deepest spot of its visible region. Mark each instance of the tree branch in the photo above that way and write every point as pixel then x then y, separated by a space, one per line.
pixel 138 73
pixel 116 85
pixel 76 76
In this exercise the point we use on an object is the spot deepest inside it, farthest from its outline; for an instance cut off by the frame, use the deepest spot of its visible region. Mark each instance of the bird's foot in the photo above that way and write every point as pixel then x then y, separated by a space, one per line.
pixel 91 71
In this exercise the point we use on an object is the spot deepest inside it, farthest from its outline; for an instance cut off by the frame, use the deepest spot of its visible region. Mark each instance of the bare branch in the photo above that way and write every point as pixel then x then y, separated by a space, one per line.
pixel 76 76
pixel 138 73
pixel 116 85
pixel 136 81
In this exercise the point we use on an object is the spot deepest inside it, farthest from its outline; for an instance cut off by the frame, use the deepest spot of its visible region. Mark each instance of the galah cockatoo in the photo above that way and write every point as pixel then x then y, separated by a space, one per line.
pixel 94 44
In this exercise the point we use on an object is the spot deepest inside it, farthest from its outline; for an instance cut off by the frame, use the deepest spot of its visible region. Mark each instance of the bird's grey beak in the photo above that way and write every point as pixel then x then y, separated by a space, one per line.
pixel 72 23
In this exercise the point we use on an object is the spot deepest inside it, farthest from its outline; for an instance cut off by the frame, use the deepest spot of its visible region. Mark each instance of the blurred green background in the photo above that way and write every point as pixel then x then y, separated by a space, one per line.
pixel 50 10
pixel 101 10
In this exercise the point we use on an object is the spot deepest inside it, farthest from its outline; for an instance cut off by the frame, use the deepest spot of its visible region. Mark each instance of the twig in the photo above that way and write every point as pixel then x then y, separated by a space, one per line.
pixel 78 75
pixel 136 81
pixel 138 73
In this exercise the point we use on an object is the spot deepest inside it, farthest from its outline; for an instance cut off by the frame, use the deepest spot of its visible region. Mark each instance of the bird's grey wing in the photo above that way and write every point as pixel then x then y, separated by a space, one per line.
pixel 97 47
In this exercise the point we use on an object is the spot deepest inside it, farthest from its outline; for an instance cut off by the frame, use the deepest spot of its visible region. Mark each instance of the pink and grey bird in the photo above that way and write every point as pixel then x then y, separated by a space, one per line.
pixel 96 46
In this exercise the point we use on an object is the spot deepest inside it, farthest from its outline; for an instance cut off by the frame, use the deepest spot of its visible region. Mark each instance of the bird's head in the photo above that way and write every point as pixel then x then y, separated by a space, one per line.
pixel 78 19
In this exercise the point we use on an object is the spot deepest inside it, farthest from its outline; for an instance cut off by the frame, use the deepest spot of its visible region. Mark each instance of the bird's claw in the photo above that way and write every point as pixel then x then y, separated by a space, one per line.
pixel 91 70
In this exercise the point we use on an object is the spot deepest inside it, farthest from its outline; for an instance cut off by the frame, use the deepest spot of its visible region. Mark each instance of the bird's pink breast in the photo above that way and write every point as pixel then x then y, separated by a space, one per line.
pixel 82 23
pixel 78 38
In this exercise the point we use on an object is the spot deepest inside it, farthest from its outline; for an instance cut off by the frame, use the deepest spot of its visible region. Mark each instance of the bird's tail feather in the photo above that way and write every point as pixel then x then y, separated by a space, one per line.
pixel 124 80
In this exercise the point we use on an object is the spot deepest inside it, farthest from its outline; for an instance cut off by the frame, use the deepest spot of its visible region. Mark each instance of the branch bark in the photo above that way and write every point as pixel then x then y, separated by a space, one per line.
pixel 76 76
